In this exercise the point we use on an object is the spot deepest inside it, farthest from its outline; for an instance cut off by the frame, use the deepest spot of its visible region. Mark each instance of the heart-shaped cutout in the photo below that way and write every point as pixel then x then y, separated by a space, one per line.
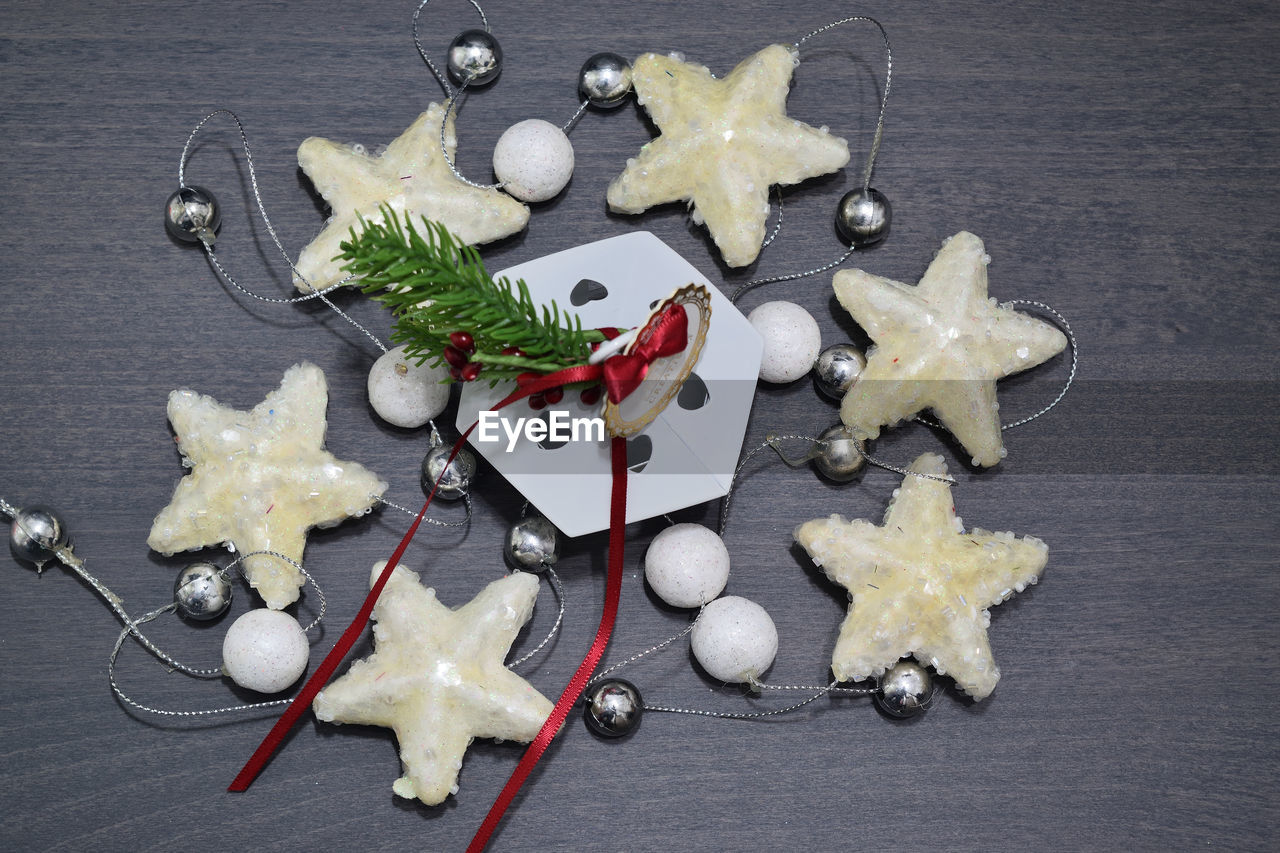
pixel 693 393
pixel 549 443
pixel 639 452
pixel 586 291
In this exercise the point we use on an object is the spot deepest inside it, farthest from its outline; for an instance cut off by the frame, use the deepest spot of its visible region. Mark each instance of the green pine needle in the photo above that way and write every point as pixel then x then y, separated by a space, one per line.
pixel 434 285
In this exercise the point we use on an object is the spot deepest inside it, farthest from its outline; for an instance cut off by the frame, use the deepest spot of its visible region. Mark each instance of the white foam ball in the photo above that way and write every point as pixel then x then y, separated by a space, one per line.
pixel 687 565
pixel 405 393
pixel 792 340
pixel 533 159
pixel 735 639
pixel 265 650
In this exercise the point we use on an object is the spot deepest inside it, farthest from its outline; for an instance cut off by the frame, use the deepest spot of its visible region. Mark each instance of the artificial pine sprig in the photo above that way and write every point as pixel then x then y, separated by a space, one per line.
pixel 439 293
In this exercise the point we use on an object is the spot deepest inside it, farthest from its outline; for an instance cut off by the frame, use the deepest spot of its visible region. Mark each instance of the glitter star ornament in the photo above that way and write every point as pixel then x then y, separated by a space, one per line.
pixel 412 177
pixel 940 345
pixel 436 677
pixel 723 144
pixel 919 585
pixel 260 479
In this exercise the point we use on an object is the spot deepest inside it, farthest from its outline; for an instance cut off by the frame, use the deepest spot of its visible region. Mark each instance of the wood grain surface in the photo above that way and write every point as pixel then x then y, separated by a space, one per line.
pixel 1120 161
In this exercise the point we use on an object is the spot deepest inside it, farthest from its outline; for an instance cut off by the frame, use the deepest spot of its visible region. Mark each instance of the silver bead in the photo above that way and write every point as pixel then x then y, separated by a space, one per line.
pixel 36 535
pixel 605 80
pixel 201 592
pixel 475 58
pixel 614 708
pixel 863 217
pixel 836 369
pixel 192 215
pixel 905 690
pixel 532 544
pixel 839 459
pixel 457 477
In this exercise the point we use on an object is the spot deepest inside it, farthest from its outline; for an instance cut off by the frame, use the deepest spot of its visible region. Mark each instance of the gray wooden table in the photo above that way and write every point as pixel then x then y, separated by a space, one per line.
pixel 1120 161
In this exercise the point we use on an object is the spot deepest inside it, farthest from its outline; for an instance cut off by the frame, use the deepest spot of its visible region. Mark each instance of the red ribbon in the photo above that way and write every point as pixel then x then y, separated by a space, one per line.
pixel 667 336
pixel 325 670
pixel 612 589
pixel 624 372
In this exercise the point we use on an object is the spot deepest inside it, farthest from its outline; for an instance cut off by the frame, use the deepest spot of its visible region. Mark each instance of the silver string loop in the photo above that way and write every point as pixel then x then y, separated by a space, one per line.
pixel 884 97
pixel 1071 374
pixel 558 587
pixel 444 150
pixel 321 294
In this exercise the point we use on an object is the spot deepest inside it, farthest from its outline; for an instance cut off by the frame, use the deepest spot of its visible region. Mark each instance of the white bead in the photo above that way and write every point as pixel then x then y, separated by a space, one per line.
pixel 735 640
pixel 686 565
pixel 792 340
pixel 533 159
pixel 265 650
pixel 405 393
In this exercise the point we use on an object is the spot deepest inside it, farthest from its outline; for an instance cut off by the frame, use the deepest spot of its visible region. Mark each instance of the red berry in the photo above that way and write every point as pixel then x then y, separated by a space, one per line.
pixel 553 395
pixel 590 396
pixel 470 372
pixel 514 351
pixel 455 373
pixel 537 401
pixel 463 341
pixel 455 357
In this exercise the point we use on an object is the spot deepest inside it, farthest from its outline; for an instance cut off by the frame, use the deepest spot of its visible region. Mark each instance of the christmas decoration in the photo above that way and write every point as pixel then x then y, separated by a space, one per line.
pixel 260 479
pixel 405 392
pixel 192 214
pixel 723 144
pixel 450 477
pixel 436 677
pixel 836 368
pixel 734 639
pixel 533 160
pixel 686 565
pixel 36 535
pixel 532 544
pixel 919 584
pixel 792 340
pixel 940 345
pixel 265 650
pixel 201 593
pixel 683 454
pixel 413 178
pixel 449 309
pixel 863 217
pixel 837 455
pixel 905 689
pixel 474 58
pixel 604 81
pixel 613 708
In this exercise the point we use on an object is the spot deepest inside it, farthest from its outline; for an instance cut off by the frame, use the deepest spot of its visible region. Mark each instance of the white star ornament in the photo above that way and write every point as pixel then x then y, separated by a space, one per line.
pixel 723 144
pixel 919 585
pixel 260 480
pixel 436 677
pixel 940 345
pixel 410 177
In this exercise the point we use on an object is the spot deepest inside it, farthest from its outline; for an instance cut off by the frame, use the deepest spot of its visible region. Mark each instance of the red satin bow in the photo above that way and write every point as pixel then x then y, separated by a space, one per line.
pixel 624 372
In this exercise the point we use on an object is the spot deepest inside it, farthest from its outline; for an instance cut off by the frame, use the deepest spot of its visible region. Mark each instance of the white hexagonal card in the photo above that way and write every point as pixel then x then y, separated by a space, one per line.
pixel 686 456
